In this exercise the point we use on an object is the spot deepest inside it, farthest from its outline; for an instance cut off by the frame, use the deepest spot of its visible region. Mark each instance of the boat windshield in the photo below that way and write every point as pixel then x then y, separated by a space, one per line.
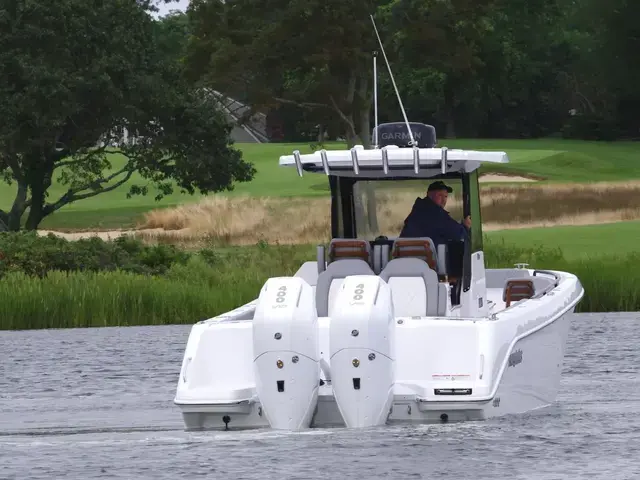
pixel 382 205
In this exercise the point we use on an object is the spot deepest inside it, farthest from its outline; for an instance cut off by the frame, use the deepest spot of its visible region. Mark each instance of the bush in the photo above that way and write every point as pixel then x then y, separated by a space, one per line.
pixel 591 126
pixel 36 255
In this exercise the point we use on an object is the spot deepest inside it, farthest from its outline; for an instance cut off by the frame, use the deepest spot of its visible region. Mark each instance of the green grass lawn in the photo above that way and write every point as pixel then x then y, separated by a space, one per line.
pixel 577 242
pixel 563 160
pixel 555 160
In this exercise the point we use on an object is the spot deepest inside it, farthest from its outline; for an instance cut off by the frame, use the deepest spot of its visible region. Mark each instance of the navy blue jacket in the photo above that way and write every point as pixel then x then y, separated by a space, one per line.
pixel 427 219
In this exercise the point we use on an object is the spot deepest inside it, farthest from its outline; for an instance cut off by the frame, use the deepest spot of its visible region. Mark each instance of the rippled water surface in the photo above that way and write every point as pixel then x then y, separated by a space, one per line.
pixel 97 403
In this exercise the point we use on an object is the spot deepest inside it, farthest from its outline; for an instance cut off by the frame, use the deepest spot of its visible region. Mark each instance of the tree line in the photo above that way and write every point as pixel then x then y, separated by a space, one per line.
pixel 472 68
pixel 81 80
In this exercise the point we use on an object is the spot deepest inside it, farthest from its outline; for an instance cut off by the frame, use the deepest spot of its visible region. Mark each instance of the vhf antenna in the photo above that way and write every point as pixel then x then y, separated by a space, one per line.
pixel 406 121
pixel 375 99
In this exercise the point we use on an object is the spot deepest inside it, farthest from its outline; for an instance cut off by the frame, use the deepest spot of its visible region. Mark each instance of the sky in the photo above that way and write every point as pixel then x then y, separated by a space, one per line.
pixel 167 7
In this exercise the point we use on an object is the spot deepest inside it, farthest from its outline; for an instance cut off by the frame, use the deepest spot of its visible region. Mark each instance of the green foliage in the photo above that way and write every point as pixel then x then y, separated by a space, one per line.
pixel 437 45
pixel 591 126
pixel 100 299
pixel 186 288
pixel 489 68
pixel 499 254
pixel 36 255
pixel 172 34
pixel 80 80
pixel 610 281
pixel 256 51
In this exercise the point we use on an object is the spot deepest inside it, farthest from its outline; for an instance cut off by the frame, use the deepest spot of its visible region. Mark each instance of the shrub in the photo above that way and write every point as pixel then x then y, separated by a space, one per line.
pixel 36 255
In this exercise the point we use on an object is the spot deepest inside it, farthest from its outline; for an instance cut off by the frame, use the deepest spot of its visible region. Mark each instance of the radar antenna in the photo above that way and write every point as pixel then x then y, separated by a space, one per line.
pixel 404 114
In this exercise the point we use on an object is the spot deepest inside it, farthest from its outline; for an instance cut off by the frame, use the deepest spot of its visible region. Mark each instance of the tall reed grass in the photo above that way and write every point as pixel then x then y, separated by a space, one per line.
pixel 245 220
pixel 228 277
pixel 611 282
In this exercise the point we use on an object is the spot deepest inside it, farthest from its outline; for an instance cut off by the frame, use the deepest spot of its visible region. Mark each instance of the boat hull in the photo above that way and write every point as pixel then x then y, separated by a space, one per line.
pixel 445 369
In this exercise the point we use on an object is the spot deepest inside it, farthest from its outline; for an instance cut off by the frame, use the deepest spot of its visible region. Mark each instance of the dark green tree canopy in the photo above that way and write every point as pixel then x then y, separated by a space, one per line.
pixel 316 54
pixel 82 78
pixel 492 68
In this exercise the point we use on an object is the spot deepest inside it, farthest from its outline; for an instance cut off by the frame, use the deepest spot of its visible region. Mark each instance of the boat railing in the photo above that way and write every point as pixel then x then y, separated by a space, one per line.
pixel 548 272
pixel 542 292
pixel 384 154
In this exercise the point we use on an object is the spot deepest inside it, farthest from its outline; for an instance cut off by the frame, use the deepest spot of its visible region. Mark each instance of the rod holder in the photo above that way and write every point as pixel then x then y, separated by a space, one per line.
pixel 416 160
pixel 296 156
pixel 354 159
pixel 385 160
pixel 325 161
pixel 443 160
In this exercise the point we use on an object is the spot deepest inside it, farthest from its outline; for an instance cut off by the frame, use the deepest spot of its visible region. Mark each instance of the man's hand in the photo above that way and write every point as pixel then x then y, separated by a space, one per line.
pixel 467 221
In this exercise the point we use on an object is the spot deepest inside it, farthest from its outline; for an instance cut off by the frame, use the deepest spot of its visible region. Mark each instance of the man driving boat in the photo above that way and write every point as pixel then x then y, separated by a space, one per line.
pixel 428 218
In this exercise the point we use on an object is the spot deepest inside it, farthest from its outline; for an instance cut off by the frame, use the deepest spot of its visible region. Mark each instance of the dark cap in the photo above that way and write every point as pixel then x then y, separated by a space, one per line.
pixel 439 185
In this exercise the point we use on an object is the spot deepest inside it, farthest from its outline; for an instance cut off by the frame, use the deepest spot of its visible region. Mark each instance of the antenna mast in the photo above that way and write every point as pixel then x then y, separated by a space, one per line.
pixel 406 121
pixel 375 99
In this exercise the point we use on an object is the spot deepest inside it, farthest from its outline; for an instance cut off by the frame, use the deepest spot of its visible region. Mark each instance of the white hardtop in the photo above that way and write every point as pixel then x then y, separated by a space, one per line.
pixel 400 161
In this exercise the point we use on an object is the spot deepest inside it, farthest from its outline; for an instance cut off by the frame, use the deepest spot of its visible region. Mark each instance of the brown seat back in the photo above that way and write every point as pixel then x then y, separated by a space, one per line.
pixel 517 289
pixel 342 248
pixel 416 248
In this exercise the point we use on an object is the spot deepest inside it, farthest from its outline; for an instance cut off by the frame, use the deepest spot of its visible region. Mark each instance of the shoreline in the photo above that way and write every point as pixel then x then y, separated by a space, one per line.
pixel 188 293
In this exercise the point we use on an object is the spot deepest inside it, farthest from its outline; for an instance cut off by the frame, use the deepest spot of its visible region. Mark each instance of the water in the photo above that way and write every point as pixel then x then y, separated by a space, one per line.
pixel 97 404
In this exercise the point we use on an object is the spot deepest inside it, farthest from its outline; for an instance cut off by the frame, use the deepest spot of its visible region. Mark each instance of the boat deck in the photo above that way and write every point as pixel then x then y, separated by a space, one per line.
pixel 495 299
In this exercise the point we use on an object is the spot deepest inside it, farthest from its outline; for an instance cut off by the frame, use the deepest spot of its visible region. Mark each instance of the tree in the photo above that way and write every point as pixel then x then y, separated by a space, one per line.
pixel 80 79
pixel 172 32
pixel 437 44
pixel 315 54
pixel 525 54
pixel 611 66
pixel 312 53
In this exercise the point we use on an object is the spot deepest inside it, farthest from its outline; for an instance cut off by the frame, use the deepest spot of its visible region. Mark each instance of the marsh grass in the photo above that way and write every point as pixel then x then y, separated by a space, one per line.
pixel 549 204
pixel 97 299
pixel 611 282
pixel 246 220
pixel 222 279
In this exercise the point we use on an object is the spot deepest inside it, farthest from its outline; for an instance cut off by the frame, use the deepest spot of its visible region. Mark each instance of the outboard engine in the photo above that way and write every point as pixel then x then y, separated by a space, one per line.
pixel 362 349
pixel 285 352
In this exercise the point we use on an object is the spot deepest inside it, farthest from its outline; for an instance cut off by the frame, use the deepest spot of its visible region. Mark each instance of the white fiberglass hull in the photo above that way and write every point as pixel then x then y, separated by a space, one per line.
pixel 444 369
